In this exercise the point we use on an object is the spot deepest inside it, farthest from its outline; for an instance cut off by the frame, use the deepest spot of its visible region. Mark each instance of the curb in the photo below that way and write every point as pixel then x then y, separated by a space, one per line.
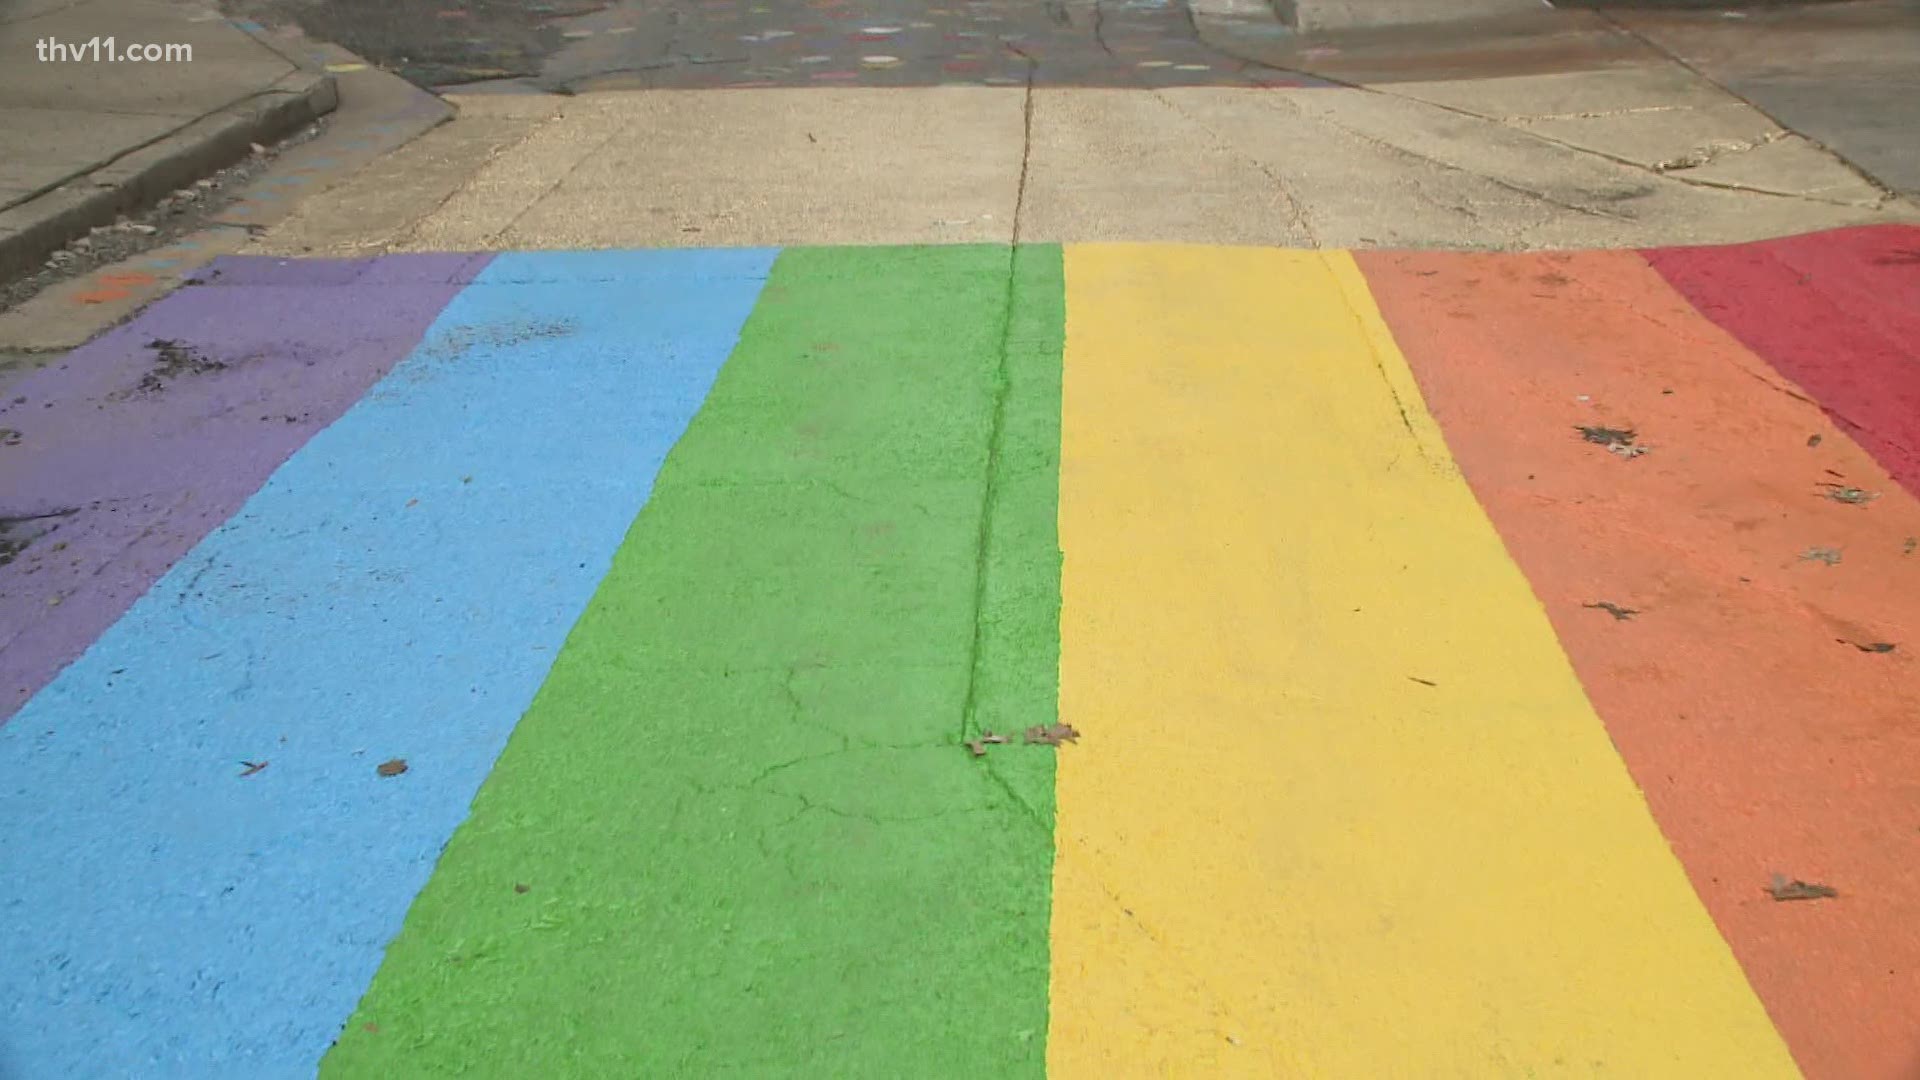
pixel 40 226
pixel 374 114
pixel 1321 17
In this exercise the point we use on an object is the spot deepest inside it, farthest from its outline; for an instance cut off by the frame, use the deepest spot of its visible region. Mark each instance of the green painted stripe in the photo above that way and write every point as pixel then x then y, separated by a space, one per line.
pixel 748 839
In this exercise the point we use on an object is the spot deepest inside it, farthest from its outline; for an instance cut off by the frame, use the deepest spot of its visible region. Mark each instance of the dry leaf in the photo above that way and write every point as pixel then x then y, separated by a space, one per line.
pixel 1852 496
pixel 1616 440
pixel 1782 889
pixel 1052 734
pixel 393 767
pixel 1606 436
pixel 986 738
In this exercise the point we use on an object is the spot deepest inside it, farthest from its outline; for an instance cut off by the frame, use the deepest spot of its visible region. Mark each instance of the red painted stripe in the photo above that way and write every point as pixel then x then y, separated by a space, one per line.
pixel 1838 313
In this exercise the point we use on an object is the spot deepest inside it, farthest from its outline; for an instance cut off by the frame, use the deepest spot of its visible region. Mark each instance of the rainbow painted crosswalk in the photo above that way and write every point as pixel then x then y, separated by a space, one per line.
pixel 1458 645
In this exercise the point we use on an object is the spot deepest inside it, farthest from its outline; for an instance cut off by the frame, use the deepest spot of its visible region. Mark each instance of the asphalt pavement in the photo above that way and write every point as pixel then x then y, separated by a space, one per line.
pixel 761 43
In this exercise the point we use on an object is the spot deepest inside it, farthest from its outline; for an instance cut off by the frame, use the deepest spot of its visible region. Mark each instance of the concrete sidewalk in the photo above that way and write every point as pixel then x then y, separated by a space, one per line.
pixel 1432 164
pixel 1845 75
pixel 85 138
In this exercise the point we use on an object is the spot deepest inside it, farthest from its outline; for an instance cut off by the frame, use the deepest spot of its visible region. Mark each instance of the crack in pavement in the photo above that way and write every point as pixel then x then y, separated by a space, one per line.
pixel 1505 185
pixel 1514 124
pixel 1435 462
pixel 406 240
pixel 566 174
pixel 1027 810
pixel 983 539
pixel 1886 193
pixel 1296 210
pixel 1100 28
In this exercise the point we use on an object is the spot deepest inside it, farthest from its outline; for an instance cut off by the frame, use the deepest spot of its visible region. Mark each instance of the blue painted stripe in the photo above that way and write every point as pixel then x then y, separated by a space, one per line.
pixel 398 589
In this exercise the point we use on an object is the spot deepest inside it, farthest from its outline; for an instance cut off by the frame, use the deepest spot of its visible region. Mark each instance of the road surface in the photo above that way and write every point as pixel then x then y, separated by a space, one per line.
pixel 837 582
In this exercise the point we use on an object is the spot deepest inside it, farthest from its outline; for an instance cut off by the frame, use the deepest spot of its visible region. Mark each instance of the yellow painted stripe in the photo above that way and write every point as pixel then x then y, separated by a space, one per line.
pixel 1278 853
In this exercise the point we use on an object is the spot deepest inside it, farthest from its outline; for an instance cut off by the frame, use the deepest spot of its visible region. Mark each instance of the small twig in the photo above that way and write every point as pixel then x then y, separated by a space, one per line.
pixel 1613 609
pixel 1782 889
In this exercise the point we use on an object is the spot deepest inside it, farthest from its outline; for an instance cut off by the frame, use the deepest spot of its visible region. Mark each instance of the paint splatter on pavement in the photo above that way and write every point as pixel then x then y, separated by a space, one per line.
pixel 641 641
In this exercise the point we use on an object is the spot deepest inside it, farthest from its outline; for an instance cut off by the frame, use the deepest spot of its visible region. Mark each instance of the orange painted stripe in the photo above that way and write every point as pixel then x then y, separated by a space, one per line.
pixel 1765 742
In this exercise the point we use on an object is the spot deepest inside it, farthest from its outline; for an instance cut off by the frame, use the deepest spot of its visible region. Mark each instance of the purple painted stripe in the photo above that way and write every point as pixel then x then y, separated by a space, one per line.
pixel 117 460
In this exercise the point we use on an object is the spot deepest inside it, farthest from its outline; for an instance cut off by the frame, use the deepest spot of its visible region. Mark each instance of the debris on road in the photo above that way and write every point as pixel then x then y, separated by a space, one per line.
pixel 1052 734
pixel 171 360
pixel 1620 613
pixel 1813 440
pixel 253 767
pixel 1616 440
pixel 1912 542
pixel 986 738
pixel 1852 496
pixel 1606 436
pixel 1423 682
pixel 1782 889
pixel 1871 646
pixel 1830 556
pixel 392 767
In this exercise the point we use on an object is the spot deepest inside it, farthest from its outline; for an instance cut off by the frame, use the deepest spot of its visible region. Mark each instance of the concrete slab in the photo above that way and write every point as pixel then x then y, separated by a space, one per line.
pixel 67 142
pixel 1333 16
pixel 385 202
pixel 227 63
pixel 378 114
pixel 1786 39
pixel 17 10
pixel 1845 75
pixel 1659 138
pixel 1333 168
pixel 678 169
pixel 87 138
pixel 1571 93
pixel 1788 166
pixel 1869 119
pixel 1539 43
pixel 1125 166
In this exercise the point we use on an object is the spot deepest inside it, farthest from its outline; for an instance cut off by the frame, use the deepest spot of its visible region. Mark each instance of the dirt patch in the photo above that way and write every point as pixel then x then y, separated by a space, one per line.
pixel 500 335
pixel 172 360
pixel 17 534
